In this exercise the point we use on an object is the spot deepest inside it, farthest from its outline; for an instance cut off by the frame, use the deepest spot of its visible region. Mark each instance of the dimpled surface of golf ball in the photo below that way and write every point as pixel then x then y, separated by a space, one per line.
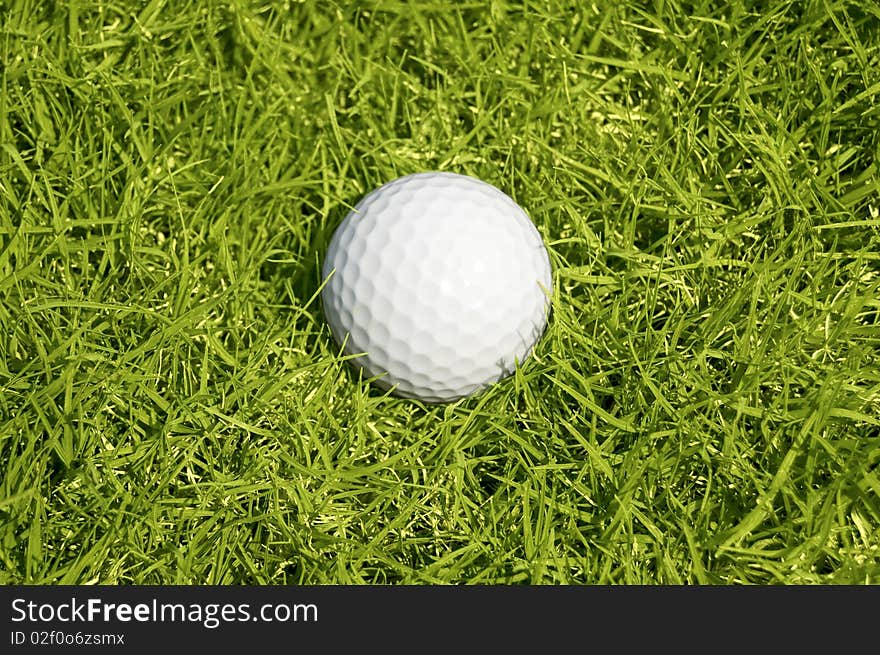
pixel 441 281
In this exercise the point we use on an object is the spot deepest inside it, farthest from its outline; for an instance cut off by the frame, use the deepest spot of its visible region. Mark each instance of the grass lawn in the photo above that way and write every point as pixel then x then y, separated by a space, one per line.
pixel 704 406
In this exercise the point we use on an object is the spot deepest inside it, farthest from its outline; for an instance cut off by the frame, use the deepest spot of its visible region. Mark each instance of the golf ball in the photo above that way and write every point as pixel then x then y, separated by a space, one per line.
pixel 440 284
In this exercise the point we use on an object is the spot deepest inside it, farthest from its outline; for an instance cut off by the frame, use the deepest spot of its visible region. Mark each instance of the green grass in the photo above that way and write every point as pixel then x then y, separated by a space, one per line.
pixel 704 407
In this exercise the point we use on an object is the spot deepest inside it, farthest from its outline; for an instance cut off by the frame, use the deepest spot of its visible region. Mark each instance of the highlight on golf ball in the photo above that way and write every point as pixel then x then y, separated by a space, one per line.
pixel 441 281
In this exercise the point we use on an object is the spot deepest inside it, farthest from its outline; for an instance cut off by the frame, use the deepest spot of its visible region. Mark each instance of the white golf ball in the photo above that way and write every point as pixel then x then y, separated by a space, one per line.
pixel 439 282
